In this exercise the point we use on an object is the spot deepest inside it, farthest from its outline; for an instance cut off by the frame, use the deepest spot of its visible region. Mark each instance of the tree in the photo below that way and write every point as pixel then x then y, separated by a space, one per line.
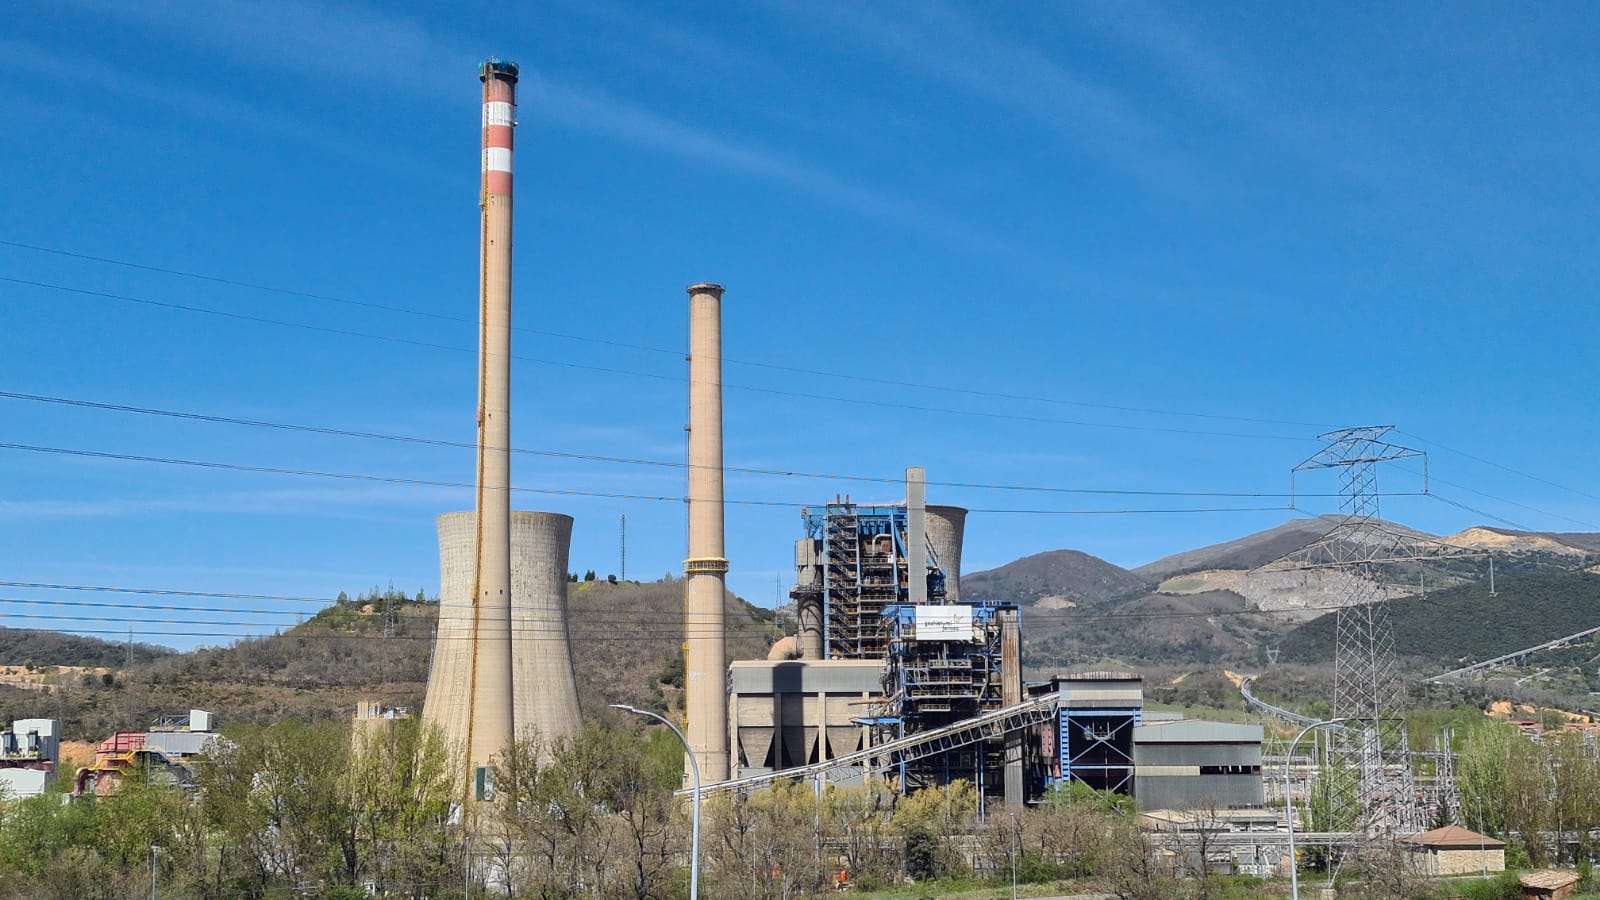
pixel 587 816
pixel 926 819
pixel 765 845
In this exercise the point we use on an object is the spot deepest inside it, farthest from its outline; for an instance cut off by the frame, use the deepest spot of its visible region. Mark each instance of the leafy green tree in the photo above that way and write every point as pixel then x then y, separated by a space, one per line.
pixel 592 815
pixel 926 820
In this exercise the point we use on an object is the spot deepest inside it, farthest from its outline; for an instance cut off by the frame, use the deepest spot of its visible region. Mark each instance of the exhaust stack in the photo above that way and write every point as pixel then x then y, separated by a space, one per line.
pixel 490 721
pixel 705 571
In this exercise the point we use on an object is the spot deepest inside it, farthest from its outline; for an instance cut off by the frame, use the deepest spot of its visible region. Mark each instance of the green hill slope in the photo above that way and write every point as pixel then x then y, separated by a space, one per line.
pixel 1462 625
pixel 33 647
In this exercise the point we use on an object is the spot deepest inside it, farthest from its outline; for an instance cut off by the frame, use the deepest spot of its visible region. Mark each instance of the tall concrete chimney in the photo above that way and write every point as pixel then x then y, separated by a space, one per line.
pixel 705 571
pixel 917 535
pixel 490 720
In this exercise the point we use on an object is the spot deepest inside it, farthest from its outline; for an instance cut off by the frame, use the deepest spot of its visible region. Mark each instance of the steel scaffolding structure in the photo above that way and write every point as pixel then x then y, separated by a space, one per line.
pixel 863 549
pixel 931 683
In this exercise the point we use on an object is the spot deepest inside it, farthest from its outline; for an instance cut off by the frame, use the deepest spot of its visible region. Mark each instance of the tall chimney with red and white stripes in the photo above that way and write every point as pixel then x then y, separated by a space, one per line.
pixel 490 724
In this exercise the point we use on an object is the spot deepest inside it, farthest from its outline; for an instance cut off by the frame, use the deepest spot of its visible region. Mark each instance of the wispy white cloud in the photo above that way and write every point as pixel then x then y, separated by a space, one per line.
pixel 321 39
pixel 225 112
pixel 1207 74
pixel 307 37
pixel 940 41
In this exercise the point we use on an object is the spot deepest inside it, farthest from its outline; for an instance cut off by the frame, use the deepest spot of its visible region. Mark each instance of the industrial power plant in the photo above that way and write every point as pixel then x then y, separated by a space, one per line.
pixel 892 673
pixel 930 450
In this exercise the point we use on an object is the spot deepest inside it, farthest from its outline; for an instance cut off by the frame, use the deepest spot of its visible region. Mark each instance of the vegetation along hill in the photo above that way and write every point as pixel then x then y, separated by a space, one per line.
pixel 34 648
pixel 1208 627
pixel 626 639
pixel 1465 624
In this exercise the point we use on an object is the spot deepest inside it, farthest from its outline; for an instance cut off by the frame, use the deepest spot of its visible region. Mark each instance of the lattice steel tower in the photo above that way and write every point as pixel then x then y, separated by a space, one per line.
pixel 1372 786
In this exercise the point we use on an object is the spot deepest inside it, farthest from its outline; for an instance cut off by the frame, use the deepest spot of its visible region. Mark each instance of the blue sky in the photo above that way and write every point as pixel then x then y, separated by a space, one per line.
pixel 1196 236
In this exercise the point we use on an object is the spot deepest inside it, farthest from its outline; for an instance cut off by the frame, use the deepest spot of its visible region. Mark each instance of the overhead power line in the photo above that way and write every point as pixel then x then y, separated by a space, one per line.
pixel 759 364
pixel 1502 467
pixel 663 622
pixel 423 482
pixel 858 401
pixel 1487 496
pixel 590 457
pixel 890 382
pixel 162 592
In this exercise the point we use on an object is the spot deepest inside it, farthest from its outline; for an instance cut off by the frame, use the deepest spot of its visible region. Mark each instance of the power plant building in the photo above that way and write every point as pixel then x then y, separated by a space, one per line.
pixel 884 650
pixel 786 713
pixel 1190 764
pixel 1104 738
pixel 854 562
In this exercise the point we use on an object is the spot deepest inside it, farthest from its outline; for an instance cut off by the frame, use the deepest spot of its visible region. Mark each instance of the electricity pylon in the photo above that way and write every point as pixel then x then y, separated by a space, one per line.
pixel 1371 786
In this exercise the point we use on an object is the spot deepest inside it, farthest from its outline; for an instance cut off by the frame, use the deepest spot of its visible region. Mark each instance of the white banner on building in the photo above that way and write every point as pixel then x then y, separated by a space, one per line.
pixel 944 623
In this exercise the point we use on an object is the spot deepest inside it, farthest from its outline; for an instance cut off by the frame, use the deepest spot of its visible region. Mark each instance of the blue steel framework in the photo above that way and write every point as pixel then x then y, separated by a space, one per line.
pixel 1096 747
pixel 864 594
pixel 864 571
pixel 932 683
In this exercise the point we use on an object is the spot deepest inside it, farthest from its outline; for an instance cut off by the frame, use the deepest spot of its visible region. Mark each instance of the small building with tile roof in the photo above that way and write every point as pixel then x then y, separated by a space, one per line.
pixel 1549 884
pixel 1453 850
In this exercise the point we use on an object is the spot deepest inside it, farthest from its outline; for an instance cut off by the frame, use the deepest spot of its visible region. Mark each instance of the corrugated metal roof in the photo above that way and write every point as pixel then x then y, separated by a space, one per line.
pixel 1195 731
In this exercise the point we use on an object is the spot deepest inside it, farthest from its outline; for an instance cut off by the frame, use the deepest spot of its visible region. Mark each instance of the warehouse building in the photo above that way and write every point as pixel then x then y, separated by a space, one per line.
pixel 1190 764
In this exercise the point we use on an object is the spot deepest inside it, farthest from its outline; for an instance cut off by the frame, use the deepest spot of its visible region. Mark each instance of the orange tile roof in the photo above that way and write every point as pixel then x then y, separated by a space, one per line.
pixel 1549 879
pixel 1454 837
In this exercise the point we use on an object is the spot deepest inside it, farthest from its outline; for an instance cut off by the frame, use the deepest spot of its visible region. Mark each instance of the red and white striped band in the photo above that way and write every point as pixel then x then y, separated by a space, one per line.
pixel 498 106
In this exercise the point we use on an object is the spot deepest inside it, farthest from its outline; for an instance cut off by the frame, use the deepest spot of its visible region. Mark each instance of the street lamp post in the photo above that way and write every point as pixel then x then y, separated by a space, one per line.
pixel 694 772
pixel 1288 800
pixel 154 849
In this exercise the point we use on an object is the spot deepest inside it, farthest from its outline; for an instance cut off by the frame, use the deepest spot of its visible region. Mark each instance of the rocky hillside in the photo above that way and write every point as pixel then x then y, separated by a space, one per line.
pixel 1208 627
pixel 1214 605
pixel 1247 552
pixel 627 647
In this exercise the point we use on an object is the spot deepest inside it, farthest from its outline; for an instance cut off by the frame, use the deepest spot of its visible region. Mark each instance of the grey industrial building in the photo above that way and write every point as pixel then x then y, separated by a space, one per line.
pixel 1190 764
pixel 787 713
pixel 1103 737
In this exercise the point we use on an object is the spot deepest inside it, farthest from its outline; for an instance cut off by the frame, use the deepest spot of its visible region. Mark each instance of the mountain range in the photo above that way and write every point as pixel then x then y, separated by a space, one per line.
pixel 1214 604
pixel 1210 607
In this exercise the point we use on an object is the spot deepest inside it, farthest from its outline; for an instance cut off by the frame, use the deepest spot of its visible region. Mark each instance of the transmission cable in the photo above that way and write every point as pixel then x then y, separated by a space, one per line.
pixel 589 457
pixel 860 401
pixel 1501 467
pixel 643 347
pixel 606 495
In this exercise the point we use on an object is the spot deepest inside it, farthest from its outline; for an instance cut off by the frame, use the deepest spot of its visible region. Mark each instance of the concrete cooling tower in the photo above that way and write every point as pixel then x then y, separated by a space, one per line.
pixel 946 527
pixel 544 689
